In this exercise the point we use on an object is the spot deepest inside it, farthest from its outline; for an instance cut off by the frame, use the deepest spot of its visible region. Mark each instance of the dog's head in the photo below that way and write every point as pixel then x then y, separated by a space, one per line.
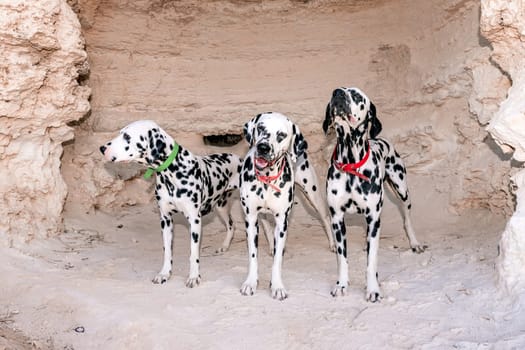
pixel 272 135
pixel 142 141
pixel 352 109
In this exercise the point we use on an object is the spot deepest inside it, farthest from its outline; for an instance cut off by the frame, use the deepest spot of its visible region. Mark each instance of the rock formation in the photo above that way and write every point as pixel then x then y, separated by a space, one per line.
pixel 42 60
pixel 503 24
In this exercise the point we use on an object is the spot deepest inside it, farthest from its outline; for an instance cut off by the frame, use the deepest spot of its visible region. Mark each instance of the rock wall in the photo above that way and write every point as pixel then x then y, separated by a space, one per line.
pixel 202 68
pixel 206 67
pixel 42 61
pixel 503 24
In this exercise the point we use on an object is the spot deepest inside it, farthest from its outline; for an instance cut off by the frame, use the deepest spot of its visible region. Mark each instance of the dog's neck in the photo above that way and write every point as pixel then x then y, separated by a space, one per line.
pixel 352 145
pixel 280 170
pixel 158 155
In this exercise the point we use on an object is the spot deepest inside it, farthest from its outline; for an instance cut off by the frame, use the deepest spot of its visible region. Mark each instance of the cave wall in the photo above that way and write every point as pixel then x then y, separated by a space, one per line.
pixel 503 24
pixel 207 67
pixel 42 60
pixel 202 68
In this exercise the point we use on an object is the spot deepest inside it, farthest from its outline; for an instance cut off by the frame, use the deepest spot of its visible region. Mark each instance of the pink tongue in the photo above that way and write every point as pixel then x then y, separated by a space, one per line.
pixel 261 163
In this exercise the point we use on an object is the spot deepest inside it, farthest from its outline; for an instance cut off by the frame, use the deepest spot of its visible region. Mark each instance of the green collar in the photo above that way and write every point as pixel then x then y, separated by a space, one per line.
pixel 166 163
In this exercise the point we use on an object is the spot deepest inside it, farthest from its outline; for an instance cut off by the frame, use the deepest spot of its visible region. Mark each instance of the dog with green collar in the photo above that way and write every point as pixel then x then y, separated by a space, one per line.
pixel 185 183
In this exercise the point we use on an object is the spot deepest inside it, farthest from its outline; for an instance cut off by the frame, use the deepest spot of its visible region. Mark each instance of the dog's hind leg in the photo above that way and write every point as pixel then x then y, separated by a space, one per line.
pixel 268 232
pixel 224 213
pixel 397 181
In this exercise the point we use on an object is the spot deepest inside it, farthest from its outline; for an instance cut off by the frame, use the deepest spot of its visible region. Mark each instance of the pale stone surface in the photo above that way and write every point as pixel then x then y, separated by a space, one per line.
pixel 503 24
pixel 512 244
pixel 41 57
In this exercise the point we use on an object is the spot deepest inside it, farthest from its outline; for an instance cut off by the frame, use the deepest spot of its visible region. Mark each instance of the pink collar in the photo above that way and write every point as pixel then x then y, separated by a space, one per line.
pixel 352 168
pixel 268 179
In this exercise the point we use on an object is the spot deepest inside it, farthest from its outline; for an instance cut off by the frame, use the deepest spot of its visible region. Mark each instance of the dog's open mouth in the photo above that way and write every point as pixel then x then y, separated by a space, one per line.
pixel 261 163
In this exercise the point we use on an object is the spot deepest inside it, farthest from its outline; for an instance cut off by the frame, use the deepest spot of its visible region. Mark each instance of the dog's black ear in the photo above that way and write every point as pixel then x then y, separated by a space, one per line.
pixel 156 144
pixel 249 128
pixel 299 143
pixel 328 120
pixel 375 124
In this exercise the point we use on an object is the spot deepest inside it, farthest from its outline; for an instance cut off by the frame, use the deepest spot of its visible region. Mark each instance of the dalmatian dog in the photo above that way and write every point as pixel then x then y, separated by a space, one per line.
pixel 185 183
pixel 361 164
pixel 276 159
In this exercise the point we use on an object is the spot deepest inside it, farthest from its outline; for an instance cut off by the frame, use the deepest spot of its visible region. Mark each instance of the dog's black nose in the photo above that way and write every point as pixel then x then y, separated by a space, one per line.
pixel 339 101
pixel 338 94
pixel 263 148
pixel 102 149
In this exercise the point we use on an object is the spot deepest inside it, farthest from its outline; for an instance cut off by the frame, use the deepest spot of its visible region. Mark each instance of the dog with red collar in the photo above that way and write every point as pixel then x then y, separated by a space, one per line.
pixel 277 159
pixel 361 164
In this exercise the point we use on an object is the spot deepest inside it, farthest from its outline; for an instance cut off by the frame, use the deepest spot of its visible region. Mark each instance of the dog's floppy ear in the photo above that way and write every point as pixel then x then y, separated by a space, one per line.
pixel 328 119
pixel 375 124
pixel 299 144
pixel 249 128
pixel 156 144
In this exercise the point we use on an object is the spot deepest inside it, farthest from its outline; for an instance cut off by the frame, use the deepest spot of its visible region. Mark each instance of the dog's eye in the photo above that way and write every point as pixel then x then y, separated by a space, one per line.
pixel 260 128
pixel 281 136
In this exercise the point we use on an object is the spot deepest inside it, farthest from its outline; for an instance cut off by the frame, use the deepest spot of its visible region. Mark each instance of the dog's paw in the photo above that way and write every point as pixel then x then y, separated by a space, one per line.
pixel 161 278
pixel 340 289
pixel 193 281
pixel 373 296
pixel 279 293
pixel 248 288
pixel 418 249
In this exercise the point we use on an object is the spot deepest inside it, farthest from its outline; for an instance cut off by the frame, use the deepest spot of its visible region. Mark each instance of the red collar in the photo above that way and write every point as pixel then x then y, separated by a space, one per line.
pixel 268 179
pixel 352 168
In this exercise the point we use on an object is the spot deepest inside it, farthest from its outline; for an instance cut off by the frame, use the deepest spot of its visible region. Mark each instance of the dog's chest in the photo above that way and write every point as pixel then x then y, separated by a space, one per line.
pixel 264 193
pixel 353 194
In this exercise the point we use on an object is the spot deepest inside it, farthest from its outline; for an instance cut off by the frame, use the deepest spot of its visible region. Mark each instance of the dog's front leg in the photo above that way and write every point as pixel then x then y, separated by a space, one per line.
pixel 252 235
pixel 277 286
pixel 373 292
pixel 194 279
pixel 339 232
pixel 166 223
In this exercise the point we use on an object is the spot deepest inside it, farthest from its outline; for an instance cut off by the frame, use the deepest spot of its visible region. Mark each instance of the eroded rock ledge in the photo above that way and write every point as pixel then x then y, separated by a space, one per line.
pixel 42 59
pixel 503 24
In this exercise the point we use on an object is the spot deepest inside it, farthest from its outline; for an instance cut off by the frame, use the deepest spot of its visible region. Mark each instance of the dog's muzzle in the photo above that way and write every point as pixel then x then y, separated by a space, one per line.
pixel 263 157
pixel 339 104
pixel 103 150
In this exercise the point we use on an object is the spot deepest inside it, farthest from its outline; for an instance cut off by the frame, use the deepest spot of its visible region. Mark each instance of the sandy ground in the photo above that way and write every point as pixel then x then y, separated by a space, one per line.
pixel 90 288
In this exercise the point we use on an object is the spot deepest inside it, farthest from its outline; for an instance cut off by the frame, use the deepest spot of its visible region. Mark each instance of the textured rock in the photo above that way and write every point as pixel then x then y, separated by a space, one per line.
pixel 503 24
pixel 42 59
pixel 512 244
